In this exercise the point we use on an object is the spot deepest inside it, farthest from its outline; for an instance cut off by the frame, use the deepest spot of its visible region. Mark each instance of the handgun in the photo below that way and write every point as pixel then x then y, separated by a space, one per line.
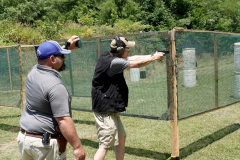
pixel 164 51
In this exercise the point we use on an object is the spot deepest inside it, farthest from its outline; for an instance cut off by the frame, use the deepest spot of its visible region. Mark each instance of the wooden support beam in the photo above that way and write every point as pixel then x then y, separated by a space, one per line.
pixel 10 91
pixel 98 47
pixel 71 75
pixel 9 68
pixel 174 121
pixel 20 76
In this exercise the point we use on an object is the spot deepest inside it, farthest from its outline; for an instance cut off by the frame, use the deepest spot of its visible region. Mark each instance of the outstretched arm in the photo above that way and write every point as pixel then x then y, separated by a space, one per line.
pixel 137 57
pixel 141 61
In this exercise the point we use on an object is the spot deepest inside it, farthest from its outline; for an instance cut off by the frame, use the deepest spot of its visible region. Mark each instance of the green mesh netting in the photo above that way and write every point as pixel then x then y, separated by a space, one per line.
pixel 147 92
pixel 10 94
pixel 208 76
pixel 28 61
pixel 197 70
pixel 79 71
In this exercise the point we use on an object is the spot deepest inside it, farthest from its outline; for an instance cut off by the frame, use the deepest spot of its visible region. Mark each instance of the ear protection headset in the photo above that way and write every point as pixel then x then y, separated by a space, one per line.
pixel 120 46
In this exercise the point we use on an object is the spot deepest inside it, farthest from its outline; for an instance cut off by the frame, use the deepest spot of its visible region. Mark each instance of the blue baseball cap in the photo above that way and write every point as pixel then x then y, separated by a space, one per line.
pixel 49 48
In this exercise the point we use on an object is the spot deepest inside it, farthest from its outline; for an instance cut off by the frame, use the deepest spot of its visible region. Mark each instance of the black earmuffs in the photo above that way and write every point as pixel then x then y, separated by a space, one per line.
pixel 120 46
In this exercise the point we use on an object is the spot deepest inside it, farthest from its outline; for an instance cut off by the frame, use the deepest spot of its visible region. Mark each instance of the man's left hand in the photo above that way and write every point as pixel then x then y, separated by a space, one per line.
pixel 72 42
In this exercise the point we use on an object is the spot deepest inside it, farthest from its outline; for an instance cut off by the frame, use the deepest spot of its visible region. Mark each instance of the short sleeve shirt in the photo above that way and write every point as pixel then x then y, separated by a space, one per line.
pixel 117 66
pixel 46 98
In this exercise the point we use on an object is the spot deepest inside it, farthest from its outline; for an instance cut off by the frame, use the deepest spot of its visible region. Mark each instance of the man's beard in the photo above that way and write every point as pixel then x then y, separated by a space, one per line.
pixel 63 67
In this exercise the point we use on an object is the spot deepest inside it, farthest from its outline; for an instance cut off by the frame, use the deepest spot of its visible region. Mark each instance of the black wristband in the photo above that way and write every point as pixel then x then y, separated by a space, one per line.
pixel 67 44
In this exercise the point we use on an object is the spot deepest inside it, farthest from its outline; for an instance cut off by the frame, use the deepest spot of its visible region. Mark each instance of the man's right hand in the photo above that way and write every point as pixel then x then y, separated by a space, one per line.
pixel 68 130
pixel 79 153
pixel 159 56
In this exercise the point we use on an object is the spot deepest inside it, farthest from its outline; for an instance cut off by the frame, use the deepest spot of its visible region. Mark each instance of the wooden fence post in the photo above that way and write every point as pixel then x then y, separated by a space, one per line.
pixel 98 47
pixel 9 68
pixel 21 79
pixel 173 104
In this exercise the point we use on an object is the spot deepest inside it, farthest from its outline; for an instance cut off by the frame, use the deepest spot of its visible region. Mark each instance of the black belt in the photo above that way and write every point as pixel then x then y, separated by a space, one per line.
pixel 37 135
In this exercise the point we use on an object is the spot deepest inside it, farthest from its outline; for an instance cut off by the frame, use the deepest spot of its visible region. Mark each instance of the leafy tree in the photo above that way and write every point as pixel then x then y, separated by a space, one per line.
pixel 156 14
pixel 112 10
pixel 85 12
pixel 120 4
pixel 120 16
pixel 107 12
pixel 131 11
pixel 31 10
pixel 25 12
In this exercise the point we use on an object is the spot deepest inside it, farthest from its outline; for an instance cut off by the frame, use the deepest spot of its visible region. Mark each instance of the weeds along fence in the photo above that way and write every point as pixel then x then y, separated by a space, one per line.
pixel 206 66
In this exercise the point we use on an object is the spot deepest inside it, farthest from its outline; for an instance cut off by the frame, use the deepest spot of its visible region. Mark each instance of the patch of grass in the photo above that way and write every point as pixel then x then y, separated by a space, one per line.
pixel 212 135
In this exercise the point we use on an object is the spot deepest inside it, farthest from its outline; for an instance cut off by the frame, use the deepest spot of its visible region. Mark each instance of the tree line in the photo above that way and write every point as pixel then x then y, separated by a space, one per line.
pixel 114 16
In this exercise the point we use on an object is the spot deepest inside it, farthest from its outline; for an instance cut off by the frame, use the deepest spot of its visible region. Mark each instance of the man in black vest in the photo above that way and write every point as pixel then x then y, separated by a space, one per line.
pixel 110 94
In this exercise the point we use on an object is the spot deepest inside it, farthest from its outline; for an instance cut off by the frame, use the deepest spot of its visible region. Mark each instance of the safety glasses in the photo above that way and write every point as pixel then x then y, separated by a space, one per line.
pixel 60 55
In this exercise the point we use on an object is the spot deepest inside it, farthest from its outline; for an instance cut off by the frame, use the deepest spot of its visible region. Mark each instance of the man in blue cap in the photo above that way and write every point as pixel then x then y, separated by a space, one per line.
pixel 46 123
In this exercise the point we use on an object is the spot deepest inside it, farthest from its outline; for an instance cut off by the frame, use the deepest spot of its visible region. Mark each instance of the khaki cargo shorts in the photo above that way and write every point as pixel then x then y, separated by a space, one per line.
pixel 109 129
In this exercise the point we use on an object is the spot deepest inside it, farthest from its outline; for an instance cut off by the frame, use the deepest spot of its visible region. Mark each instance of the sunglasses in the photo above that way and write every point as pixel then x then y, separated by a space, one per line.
pixel 60 55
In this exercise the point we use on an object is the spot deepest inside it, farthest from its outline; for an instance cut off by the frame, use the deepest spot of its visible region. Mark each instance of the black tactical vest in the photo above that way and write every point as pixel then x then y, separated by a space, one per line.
pixel 108 93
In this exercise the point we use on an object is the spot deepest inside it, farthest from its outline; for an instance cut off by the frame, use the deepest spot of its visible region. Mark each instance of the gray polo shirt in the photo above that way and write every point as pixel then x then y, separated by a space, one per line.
pixel 46 98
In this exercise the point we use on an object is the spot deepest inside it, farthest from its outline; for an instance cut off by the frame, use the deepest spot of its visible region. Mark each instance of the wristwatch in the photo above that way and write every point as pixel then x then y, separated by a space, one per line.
pixel 152 55
pixel 67 44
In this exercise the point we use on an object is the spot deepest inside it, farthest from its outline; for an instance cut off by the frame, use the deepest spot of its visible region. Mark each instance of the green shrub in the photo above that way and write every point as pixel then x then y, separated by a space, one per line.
pixel 107 12
pixel 71 28
pixel 104 30
pixel 49 30
pixel 85 19
pixel 138 26
pixel 10 31
pixel 125 26
pixel 87 32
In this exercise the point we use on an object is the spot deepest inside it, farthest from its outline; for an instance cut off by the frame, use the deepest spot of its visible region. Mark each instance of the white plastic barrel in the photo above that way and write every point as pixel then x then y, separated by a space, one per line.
pixel 134 74
pixel 189 58
pixel 236 85
pixel 189 78
pixel 237 57
pixel 189 67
